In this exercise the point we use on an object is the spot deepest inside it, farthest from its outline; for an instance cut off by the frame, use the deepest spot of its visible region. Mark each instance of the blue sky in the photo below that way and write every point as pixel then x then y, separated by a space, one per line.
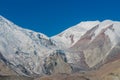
pixel 53 16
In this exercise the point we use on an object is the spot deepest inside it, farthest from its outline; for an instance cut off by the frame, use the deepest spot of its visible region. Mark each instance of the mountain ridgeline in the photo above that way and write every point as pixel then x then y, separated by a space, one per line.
pixel 90 46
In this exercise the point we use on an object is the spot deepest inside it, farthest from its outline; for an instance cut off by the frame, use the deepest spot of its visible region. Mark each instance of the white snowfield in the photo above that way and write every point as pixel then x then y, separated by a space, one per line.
pixel 25 50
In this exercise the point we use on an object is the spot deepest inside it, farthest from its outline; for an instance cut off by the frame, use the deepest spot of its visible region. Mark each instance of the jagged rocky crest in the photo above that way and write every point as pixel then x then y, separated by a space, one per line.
pixel 84 47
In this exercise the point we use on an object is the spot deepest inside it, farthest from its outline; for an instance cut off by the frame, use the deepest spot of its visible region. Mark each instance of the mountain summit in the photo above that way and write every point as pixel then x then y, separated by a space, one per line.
pixel 87 46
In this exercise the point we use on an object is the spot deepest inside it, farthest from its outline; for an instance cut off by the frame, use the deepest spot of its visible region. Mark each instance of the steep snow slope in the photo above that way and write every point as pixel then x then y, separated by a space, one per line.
pixel 70 36
pixel 98 43
pixel 22 49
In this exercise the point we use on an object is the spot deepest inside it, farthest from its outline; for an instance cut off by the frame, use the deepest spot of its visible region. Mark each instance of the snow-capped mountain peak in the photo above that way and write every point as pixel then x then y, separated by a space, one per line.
pixel 84 46
pixel 23 47
pixel 70 36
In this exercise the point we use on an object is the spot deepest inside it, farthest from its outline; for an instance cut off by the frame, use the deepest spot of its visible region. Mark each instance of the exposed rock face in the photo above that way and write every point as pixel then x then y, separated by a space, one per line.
pixel 99 48
pixel 109 71
pixel 97 45
pixel 57 63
